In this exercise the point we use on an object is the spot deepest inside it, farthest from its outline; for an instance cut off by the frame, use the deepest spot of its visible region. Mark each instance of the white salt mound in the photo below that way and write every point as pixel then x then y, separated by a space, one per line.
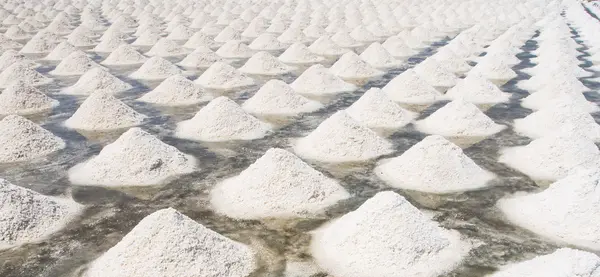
pixel 298 53
pixel 326 47
pixel 350 66
pixel 317 80
pixel 223 76
pixel 156 68
pixel 148 38
pixel 266 42
pixel 478 90
pixel 10 57
pixel 23 140
pixel 22 72
pixel 550 97
pixel 76 63
pixel 435 73
pixel 375 110
pixel 408 87
pixel 222 120
pixel 61 51
pixel 459 118
pixel 102 111
pixel 21 98
pixel 552 157
pixel 202 57
pixel 235 49
pixel 434 165
pixel 28 216
pixel 169 244
pixel 387 236
pixel 276 97
pixel 136 158
pixel 279 184
pixel 166 48
pixel 263 63
pixel 563 262
pixel 176 90
pixel 125 54
pixel 377 56
pixel 341 139
pixel 564 212
pixel 97 79
pixel 199 39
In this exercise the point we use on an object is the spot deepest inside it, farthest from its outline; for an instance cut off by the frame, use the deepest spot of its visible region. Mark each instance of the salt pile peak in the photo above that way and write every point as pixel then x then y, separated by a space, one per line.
pixel 341 139
pixel 278 184
pixel 21 98
pixel 326 47
pixel 298 53
pixel 28 216
pixel 435 73
pixel 169 244
pixel 202 57
pixel 77 63
pixel 387 236
pixel 102 111
pixel 136 158
pixel 377 56
pixel 223 76
pixel 61 51
pixel 97 79
pixel 235 49
pixel 375 109
pixel 124 54
pixel 176 90
pixel 459 118
pixel 156 68
pixel 263 63
pixel 222 120
pixel 408 87
pixel 550 97
pixel 266 42
pixel 276 97
pixel 478 90
pixel 350 66
pixel 434 165
pixel 23 140
pixel 22 72
pixel 166 48
pixel 317 80
pixel 10 57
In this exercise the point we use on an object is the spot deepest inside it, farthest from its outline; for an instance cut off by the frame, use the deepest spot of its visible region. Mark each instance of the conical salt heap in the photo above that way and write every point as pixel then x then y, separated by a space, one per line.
pixel 377 56
pixel 202 57
pixel 550 96
pixel 360 33
pixel 387 236
pixel 10 57
pixel 228 33
pixel 61 51
pixel 223 76
pixel 326 47
pixel 552 157
pixel 435 73
pixel 42 42
pixel 199 39
pixel 293 35
pixel 451 60
pixel 181 33
pixel 97 79
pixel 7 43
pixel 102 111
pixel 148 38
pixel 408 87
pixel 222 120
pixel 562 117
pixel 266 42
pixel 350 66
pixel 558 80
pixel 79 39
pixel 341 139
pixel 166 48
pixel 375 110
pixel 235 49
pixel 23 140
pixel 28 216
pixel 478 90
pixel 176 90
pixel 434 165
pixel 317 80
pixel 20 98
pixel 22 72
pixel 277 98
pixel 459 118
pixel 77 63
pixel 344 39
pixel 124 54
pixel 279 184
pixel 494 70
pixel 136 158
pixel 298 53
pixel 156 68
pixel 169 244
pixel 109 43
pixel 263 63
pixel 15 32
pixel 562 262
pixel 565 212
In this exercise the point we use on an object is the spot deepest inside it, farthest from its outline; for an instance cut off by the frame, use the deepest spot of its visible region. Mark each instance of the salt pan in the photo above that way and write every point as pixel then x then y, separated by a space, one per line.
pixel 22 140
pixel 277 98
pixel 175 91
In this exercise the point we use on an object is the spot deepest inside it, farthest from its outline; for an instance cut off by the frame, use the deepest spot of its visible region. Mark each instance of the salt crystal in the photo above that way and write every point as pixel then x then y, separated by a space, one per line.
pixel 166 48
pixel 326 47
pixel 435 73
pixel 10 57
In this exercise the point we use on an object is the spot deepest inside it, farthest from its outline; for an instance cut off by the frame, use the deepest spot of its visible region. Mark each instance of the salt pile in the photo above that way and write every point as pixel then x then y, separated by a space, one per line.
pixel 124 54
pixel 102 111
pixel 20 98
pixel 565 212
pixel 199 39
pixel 459 118
pixel 563 262
pixel 548 97
pixel 10 57
pixel 166 48
pixel 222 120
pixel 156 68
pixel 76 63
pixel 42 42
pixel 494 70
pixel 375 110
pixel 79 39
pixel 326 47
pixel 28 216
pixel 343 39
pixel 317 80
pixel 180 32
pixel 61 51
pixel 477 89
pixel 387 236
pixel 169 244
pixel 7 43
pixel 97 79
pixel 552 157
pixel 263 63
pixel 377 56
pixel 136 158
pixel 341 139
pixel 175 91
pixel 277 98
pixel 235 49
pixel 408 87
pixel 15 32
pixel 435 73
pixel 350 66
pixel 451 61
pixel 223 76
pixel 434 165
pixel 266 42
pixel 23 140
pixel 202 57
pixel 298 53
pixel 148 38
pixel 279 184
pixel 22 72
pixel 109 44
